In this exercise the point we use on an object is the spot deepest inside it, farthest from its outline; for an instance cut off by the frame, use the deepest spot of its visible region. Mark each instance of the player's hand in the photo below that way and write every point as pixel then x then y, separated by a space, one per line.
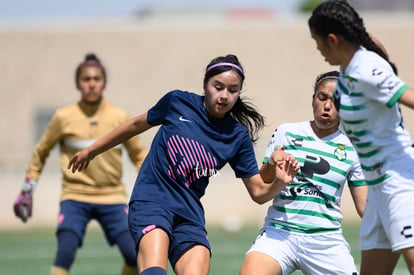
pixel 24 202
pixel 79 161
pixel 286 166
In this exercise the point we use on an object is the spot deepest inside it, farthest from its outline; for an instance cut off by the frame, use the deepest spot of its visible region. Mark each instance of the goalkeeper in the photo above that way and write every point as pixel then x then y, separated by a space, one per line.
pixel 96 193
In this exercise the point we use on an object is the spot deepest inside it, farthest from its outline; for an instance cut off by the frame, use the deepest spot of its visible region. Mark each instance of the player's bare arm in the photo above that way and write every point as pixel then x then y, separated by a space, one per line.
pixel 359 196
pixel 282 172
pixel 407 98
pixel 123 132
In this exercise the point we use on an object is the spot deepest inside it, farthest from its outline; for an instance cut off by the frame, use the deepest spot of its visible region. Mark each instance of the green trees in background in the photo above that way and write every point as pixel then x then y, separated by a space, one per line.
pixel 308 5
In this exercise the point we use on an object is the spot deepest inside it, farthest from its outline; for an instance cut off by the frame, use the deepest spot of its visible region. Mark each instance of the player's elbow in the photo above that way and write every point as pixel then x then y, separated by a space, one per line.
pixel 259 198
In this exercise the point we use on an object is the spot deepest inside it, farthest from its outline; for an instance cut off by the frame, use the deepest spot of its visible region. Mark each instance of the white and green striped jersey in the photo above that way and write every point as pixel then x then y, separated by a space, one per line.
pixel 310 204
pixel 366 98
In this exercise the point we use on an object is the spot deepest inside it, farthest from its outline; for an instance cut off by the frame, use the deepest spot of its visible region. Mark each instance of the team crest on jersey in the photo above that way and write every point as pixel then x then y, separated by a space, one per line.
pixel 340 152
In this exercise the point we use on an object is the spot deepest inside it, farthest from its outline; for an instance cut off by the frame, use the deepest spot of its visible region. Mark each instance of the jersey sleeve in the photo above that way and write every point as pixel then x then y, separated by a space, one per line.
pixel 356 176
pixel 158 112
pixel 244 163
pixel 380 83
pixel 50 137
pixel 274 143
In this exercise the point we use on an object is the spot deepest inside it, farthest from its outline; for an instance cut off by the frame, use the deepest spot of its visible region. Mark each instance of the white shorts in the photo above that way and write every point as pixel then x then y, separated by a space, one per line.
pixel 312 254
pixel 388 221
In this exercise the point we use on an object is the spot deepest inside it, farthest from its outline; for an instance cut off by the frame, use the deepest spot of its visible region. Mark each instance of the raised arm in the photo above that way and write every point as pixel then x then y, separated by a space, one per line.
pixel 123 132
pixel 273 178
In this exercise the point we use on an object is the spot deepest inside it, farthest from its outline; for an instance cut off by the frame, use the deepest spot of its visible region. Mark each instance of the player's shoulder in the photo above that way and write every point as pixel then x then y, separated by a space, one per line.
pixel 113 107
pixel 183 95
pixel 368 58
pixel 368 64
pixel 68 109
pixel 114 111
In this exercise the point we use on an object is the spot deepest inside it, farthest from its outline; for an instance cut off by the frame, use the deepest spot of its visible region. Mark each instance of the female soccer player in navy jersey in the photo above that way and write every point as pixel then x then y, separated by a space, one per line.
pixel 197 137
pixel 368 97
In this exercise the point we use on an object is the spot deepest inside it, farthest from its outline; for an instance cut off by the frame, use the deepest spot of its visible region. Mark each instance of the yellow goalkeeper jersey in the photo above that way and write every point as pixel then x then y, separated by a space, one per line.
pixel 75 127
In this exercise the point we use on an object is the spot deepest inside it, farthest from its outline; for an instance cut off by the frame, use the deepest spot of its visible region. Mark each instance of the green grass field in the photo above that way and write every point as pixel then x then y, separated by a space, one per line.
pixel 32 251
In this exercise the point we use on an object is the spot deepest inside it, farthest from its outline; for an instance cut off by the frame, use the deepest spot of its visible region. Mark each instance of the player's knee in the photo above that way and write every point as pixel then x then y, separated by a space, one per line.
pixel 154 271
pixel 68 243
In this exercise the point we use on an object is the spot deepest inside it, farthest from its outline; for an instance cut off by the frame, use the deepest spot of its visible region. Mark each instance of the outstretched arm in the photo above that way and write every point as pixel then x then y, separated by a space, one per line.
pixel 272 178
pixel 407 98
pixel 123 132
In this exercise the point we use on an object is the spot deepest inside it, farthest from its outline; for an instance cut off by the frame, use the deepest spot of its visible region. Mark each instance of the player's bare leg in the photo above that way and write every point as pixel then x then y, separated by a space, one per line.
pixel 256 263
pixel 195 260
pixel 153 250
pixel 378 262
pixel 408 254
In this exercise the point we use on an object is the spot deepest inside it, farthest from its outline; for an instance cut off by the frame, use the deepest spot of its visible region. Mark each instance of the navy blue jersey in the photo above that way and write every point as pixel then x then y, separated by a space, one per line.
pixel 188 149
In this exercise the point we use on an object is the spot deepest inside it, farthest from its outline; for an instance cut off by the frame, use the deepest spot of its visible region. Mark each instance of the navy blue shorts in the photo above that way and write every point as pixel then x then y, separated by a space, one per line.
pixel 75 216
pixel 183 233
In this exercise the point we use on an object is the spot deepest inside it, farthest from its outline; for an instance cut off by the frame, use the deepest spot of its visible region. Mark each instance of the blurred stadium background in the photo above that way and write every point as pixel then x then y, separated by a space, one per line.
pixel 151 47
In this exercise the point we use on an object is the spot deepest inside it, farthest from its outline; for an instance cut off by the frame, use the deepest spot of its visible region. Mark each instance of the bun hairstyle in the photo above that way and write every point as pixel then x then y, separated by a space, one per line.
pixel 90 60
pixel 243 112
pixel 340 18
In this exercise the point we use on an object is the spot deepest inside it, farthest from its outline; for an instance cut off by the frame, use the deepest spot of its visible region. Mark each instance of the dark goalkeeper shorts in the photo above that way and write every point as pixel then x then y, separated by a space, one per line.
pixel 74 216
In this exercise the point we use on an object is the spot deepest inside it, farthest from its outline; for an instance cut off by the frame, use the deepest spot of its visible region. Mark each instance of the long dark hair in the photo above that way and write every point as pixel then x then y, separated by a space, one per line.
pixel 243 112
pixel 340 18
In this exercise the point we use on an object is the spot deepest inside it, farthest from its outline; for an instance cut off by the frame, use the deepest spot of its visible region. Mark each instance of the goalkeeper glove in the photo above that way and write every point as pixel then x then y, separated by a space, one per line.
pixel 24 202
